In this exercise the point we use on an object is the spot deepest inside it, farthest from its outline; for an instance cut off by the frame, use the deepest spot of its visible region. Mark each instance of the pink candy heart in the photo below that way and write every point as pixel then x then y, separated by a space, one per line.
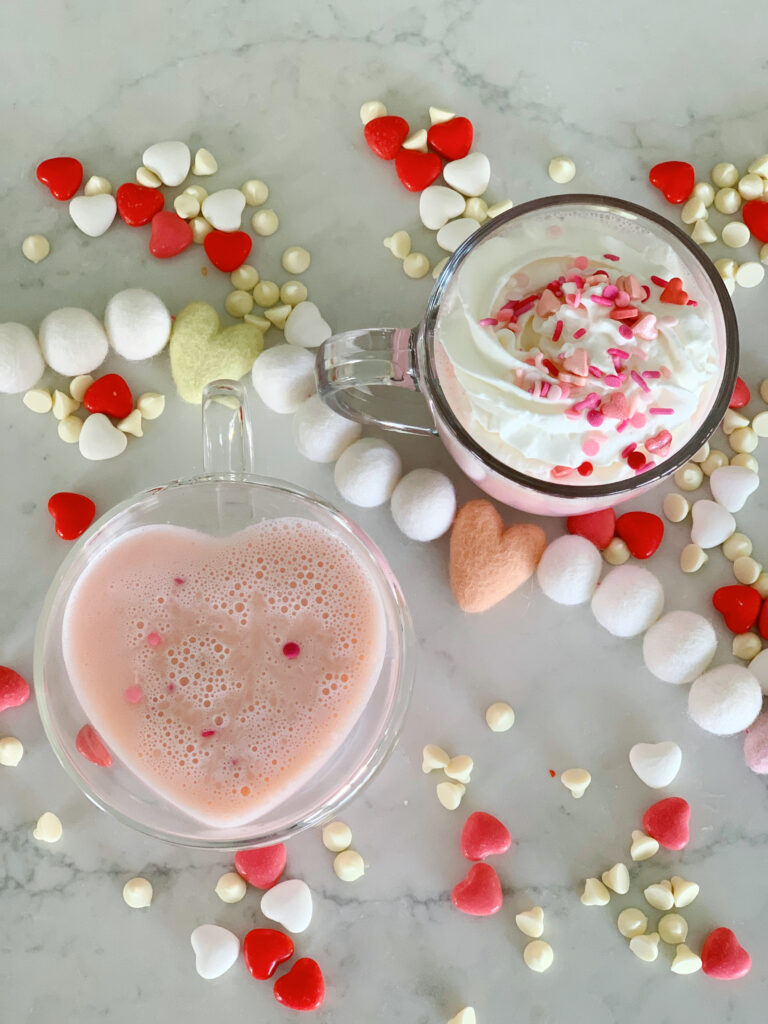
pixel 645 328
pixel 261 867
pixel 577 362
pixel 483 835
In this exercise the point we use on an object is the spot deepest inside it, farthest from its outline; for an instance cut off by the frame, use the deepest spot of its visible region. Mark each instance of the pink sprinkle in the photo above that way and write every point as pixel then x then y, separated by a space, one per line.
pixel 638 420
pixel 612 380
pixel 171 687
pixel 651 374
pixel 639 381
pixel 559 472
pixel 691 302
pixel 555 393
pixel 488 321
pixel 610 291
pixel 572 378
pixel 291 649
pixel 626 313
pixel 178 580
pixel 134 695
pixel 207 732
pixel 154 640
pixel 580 333
pixel 626 332
pixel 628 450
pixel 665 371
pixel 619 352
pixel 610 256
pixel 590 402
pixel 544 388
pixel 524 305
pixel 659 281
pixel 595 371
pixel 590 447
pixel 657 410
pixel 636 352
pixel 622 298
pixel 595 419
pixel 565 390
pixel 509 305
pixel 557 331
pixel 600 301
pixel 570 414
pixel 581 263
pixel 644 467
pixel 505 315
pixel 576 279
pixel 621 427
pixel 574 299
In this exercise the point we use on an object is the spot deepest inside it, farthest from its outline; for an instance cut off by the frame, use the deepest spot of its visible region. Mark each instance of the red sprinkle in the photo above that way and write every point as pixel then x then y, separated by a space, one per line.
pixel 635 460
pixel 628 450
pixel 291 649
pixel 580 333
pixel 585 469
pixel 600 301
pixel 557 331
pixel 178 580
pixel 659 281
pixel 207 732
pixel 552 774
pixel 550 367
pixel 610 256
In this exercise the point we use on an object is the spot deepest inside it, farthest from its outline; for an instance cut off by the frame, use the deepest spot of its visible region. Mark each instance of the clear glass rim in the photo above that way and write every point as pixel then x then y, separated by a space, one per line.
pixel 431 385
pixel 350 787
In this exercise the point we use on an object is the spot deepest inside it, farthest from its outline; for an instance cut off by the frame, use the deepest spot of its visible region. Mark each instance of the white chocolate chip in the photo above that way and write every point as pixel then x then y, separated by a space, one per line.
pixel 151 405
pixel 197 192
pixel 595 893
pixel 746 646
pixel 704 191
pixel 238 303
pixel 732 420
pixel 659 895
pixel 372 109
pixel 231 887
pixel 538 955
pixel 295 259
pixel 702 453
pixel 186 206
pixel 745 459
pixel 735 234
pixel 245 277
pixel 617 879
pixel 38 400
pixel 98 186
pixel 349 865
pixel 35 248
pixel 416 265
pixel 760 424
pixel 48 828
pixel 256 193
pixel 258 321
pixel 689 477
pixel 703 233
pixel 761 585
pixel 433 757
pixel 577 781
pixel 738 545
pixel 69 429
pixel 399 244
pixel 714 461
pixel 200 228
pixel 205 163
pixel 500 717
pixel 438 267
pixel 450 793
pixel 746 569
pixel 617 552
pixel 63 404
pixel 727 200
pixel 764 253
pixel 337 836
pixel 561 170
pixel 759 166
pixel 477 209
pixel 79 385
pixel 750 186
pixel 293 292
pixel 676 507
pixel 724 175
pixel 265 222
pixel 266 293
pixel 147 178
pixel 726 268
pixel 131 424
pixel 531 922
pixel 465 1016
pixel 686 961
pixel 673 929
pixel 645 947
pixel 643 847
pixel 438 116
pixel 750 274
pixel 137 893
pixel 693 209
pixel 460 768
pixel 632 922
pixel 684 892
pixel 692 557
pixel 743 439
pixel 497 208
pixel 417 140
pixel 11 751
pixel 277 315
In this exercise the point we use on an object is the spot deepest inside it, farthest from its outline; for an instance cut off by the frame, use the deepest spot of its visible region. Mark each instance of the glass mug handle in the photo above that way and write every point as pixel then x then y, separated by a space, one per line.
pixel 351 363
pixel 227 434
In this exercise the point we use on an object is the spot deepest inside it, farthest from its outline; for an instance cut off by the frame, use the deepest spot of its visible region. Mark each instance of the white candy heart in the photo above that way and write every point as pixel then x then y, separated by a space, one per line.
pixel 99 440
pixel 454 233
pixel 216 949
pixel 656 764
pixel 712 524
pixel 732 485
pixel 169 160
pixel 438 205
pixel 224 209
pixel 306 327
pixel 93 214
pixel 289 903
pixel 469 175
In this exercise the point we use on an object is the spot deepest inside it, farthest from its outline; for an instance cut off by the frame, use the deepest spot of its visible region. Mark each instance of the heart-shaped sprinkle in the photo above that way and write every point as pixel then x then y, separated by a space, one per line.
pixel 656 764
pixel 674 294
pixel 674 179
pixel 739 605
pixel 483 836
pixel 488 562
pixel 438 205
pixel 615 406
pixel 712 524
pixel 137 204
pixel 723 957
pixel 451 139
pixel 645 328
pixel 546 306
pixel 224 209
pixel 470 175
pixel 111 395
pixel 170 235
pixel 72 513
pixel 62 175
pixel 667 822
pixel 169 160
pixel 91 746
pixel 14 689
pixel 99 440
pixel 306 327
pixel 577 362
pixel 599 527
pixel 659 444
pixel 741 394
pixel 227 250
pixel 641 532
pixel 216 949
pixel 479 893
pixel 290 904
pixel 264 950
pixel 417 170
pixel 732 485
pixel 755 216
pixel 261 867
pixel 386 135
pixel 93 214
pixel 302 988
pixel 202 352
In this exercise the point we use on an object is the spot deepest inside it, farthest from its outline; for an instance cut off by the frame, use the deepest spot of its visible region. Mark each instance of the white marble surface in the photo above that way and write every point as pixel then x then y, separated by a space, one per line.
pixel 273 90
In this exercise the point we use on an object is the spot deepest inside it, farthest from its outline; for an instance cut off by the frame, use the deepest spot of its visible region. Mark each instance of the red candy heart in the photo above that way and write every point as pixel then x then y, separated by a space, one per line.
pixel 72 513
pixel 138 204
pixel 264 950
pixel 599 527
pixel 483 835
pixel 755 216
pixel 674 294
pixel 386 135
pixel 641 532
pixel 261 867
pixel 479 893
pixel 170 235
pixel 91 746
pixel 302 988
pixel 739 606
pixel 110 395
pixel 667 822
pixel 762 622
pixel 451 139
pixel 62 175
pixel 722 957
pixel 741 395
pixel 674 179
pixel 417 170
pixel 14 689
pixel 227 250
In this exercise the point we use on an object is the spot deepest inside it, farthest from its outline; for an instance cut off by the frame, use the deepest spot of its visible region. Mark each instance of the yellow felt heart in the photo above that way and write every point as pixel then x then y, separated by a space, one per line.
pixel 201 351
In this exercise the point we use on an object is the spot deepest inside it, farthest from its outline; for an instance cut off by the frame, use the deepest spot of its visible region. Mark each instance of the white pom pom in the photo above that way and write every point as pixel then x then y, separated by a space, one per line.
pixel 73 341
pixel 367 472
pixel 305 326
pixel 21 364
pixel 321 434
pixel 569 569
pixel 725 700
pixel 424 504
pixel 628 601
pixel 138 323
pixel 679 647
pixel 284 377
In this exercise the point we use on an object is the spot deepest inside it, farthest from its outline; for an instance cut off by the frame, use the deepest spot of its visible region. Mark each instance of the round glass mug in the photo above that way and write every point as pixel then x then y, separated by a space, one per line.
pixel 352 366
pixel 227 498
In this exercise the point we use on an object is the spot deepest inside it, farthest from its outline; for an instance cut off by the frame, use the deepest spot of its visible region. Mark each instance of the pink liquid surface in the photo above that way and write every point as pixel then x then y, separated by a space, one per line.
pixel 175 643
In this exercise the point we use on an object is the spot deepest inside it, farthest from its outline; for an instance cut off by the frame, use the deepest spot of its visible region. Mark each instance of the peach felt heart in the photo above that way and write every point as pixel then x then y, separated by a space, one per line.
pixel 488 562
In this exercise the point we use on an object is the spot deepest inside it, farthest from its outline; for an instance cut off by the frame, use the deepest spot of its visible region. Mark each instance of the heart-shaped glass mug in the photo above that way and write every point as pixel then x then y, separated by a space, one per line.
pixel 225 500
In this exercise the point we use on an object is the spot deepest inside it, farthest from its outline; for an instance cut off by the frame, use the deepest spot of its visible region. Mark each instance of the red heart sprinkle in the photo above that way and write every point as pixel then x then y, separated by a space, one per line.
pixel 762 622
pixel 227 250
pixel 667 822
pixel 722 957
pixel 674 293
pixel 599 527
pixel 385 135
pixel 110 395
pixel 14 689
pixel 739 605
pixel 451 139
pixel 302 988
pixel 138 204
pixel 417 170
pixel 91 746
pixel 72 513
pixel 62 175
pixel 170 235
pixel 483 835
pixel 479 893
pixel 641 532
pixel 261 867
pixel 741 395
pixel 674 179
pixel 264 950
pixel 755 216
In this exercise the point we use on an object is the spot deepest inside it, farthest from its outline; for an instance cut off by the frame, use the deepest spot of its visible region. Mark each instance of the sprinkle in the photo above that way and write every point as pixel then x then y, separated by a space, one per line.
pixel 595 371
pixel 645 468
pixel 592 400
pixel 656 410
pixel 544 388
pixel 524 305
pixel 552 774
pixel 659 281
pixel 618 352
pixel 612 380
pixel 134 694
pixel 621 427
pixel 576 279
pixel 565 390
pixel 559 472
pixel 171 687
pixel 691 302
pixel 626 332
pixel 646 292
pixel 639 381
pixel 550 367
pixel 207 732
pixel 585 469
pixel 610 291
pixel 555 393
pixel 626 313
pixel 178 580
pixel 665 371
pixel 635 460
pixel 509 305
pixel 291 649
pixel 581 263
pixel 488 321
pixel 600 300
pixel 590 447
pixel 638 420
pixel 628 450
pixel 575 298
pixel 595 419
pixel 610 256
pixel 154 640
pixel 651 374
pixel 580 333
pixel 505 315
pixel 557 331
